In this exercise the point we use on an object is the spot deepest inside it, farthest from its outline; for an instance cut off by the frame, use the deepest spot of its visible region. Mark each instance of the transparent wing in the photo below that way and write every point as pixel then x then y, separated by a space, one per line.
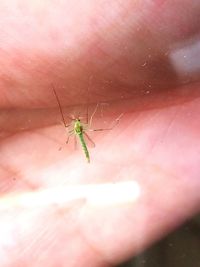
pixel 88 140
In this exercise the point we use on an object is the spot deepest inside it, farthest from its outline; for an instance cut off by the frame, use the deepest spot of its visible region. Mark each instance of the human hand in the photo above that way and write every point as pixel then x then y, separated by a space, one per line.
pixel 127 54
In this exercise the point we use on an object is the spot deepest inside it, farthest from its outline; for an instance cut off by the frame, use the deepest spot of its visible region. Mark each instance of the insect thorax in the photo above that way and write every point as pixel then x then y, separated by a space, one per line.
pixel 78 128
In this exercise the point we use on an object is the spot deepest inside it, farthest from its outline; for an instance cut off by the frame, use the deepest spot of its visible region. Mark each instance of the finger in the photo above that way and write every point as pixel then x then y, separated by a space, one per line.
pixel 142 45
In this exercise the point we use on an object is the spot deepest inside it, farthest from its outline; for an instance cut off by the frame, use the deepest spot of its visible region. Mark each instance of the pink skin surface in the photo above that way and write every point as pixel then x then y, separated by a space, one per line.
pixel 123 52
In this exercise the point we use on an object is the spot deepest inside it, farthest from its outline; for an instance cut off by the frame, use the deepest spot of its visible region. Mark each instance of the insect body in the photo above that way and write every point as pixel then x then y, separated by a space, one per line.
pixel 78 128
pixel 79 131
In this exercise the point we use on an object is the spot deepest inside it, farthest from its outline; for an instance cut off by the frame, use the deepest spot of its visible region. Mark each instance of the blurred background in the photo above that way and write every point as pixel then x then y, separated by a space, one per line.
pixel 179 249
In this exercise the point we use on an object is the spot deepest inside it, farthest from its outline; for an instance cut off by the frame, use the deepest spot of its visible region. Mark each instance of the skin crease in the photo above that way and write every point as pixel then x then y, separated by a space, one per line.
pixel 121 51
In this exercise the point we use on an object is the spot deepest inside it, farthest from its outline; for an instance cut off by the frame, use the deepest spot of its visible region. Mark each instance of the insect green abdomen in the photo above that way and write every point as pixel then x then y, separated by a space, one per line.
pixel 84 147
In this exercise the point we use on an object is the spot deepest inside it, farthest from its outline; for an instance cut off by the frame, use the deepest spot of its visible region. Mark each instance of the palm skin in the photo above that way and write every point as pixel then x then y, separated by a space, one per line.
pixel 126 48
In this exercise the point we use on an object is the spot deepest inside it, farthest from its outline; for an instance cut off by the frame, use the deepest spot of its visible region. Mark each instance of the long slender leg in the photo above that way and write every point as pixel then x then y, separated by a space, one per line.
pixel 116 121
pixel 69 137
pixel 87 111
pixel 91 118
pixel 60 108
pixel 67 125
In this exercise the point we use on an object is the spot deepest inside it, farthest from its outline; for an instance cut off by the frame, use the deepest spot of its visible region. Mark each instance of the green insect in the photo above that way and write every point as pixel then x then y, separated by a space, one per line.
pixel 78 128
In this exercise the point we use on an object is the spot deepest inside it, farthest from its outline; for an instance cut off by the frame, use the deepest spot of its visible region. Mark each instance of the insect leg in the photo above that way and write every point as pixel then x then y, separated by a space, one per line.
pixel 70 134
pixel 116 121
pixel 60 108
pixel 87 111
pixel 91 118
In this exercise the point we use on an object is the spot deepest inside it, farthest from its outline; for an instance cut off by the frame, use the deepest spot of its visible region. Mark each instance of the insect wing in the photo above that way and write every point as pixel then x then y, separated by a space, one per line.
pixel 88 140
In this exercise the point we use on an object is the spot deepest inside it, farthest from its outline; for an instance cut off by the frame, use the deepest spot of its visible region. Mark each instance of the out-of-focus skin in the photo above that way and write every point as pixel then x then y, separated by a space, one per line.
pixel 136 57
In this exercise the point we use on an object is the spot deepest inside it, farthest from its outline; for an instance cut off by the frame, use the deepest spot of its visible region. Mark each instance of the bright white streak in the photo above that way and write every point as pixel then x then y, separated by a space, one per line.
pixel 94 194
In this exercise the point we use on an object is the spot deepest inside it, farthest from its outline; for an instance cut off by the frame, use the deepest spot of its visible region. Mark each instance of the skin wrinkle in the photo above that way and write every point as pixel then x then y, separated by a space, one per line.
pixel 165 132
pixel 172 122
pixel 47 119
pixel 95 249
pixel 15 179
pixel 35 242
pixel 34 247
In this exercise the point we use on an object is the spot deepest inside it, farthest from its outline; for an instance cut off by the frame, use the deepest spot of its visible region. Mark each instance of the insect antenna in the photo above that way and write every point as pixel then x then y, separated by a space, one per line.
pixel 59 105
pixel 88 99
